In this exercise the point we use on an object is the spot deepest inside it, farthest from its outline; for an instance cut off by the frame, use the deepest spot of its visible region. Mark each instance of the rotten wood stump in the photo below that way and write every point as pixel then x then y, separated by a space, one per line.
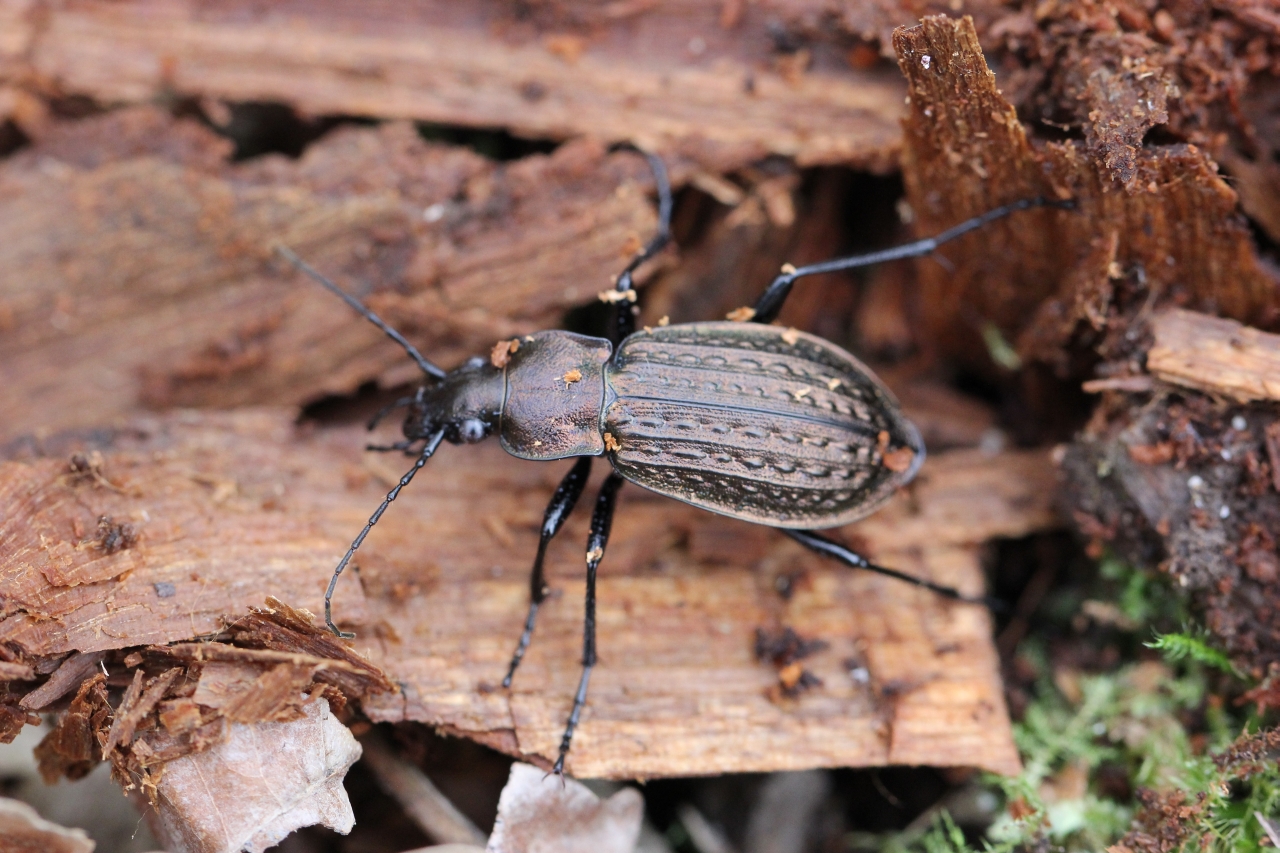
pixel 181 523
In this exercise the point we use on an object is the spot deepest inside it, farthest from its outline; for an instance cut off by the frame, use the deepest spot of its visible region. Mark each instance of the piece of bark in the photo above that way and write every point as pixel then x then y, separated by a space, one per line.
pixel 22 830
pixel 283 776
pixel 67 677
pixel 1215 355
pixel 233 507
pixel 129 225
pixel 1043 278
pixel 670 77
pixel 540 813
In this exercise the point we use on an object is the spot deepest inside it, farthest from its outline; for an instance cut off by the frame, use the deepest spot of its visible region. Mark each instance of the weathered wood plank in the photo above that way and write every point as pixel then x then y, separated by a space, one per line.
pixel 670 75
pixel 227 509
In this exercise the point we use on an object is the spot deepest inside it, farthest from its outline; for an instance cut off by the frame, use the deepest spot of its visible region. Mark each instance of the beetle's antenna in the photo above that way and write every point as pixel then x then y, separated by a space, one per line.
pixel 830 548
pixel 427 367
pixel 427 451
pixel 770 302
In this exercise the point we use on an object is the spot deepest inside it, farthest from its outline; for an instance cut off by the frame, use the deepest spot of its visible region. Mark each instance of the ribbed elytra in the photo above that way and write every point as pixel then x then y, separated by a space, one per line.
pixel 748 420
pixel 756 422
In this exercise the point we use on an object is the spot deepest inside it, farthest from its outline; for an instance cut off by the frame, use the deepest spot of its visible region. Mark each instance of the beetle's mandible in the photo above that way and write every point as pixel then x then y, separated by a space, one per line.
pixel 745 419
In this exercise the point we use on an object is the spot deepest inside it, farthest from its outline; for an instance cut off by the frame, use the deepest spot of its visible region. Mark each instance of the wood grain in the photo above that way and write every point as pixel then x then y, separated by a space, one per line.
pixel 230 508
pixel 673 78
pixel 1049 280
pixel 1215 355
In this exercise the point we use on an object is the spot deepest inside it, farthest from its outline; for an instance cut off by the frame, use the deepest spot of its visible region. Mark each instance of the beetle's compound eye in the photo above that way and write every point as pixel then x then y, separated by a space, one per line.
pixel 472 430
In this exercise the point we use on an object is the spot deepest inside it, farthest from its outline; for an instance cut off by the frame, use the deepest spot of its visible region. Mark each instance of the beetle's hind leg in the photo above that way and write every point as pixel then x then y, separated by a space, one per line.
pixel 601 521
pixel 830 548
pixel 775 295
pixel 562 504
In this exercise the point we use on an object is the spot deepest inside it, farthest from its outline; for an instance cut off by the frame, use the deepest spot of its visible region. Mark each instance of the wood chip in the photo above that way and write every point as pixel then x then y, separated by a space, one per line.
pixel 1215 355
pixel 500 355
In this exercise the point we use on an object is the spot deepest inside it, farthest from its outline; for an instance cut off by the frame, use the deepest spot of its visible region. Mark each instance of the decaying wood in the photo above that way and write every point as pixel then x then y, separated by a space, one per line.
pixel 231 508
pixel 128 226
pixel 1046 278
pixel 1215 355
pixel 672 76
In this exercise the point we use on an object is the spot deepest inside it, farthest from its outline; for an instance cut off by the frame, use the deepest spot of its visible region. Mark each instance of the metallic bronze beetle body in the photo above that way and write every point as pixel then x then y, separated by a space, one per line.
pixel 753 421
pixel 765 424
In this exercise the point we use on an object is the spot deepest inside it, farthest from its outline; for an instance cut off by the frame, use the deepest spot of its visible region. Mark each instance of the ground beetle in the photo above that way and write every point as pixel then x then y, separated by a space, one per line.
pixel 753 421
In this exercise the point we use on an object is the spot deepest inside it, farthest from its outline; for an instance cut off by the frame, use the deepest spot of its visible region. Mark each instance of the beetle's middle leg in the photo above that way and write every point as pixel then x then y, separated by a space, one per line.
pixel 830 548
pixel 601 521
pixel 562 503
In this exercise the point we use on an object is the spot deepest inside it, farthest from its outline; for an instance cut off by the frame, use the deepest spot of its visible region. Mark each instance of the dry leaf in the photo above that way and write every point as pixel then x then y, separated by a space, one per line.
pixel 542 813
pixel 263 782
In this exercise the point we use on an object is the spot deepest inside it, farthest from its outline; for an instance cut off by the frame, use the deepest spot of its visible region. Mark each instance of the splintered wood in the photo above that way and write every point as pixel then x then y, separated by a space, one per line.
pixel 1166 221
pixel 231 508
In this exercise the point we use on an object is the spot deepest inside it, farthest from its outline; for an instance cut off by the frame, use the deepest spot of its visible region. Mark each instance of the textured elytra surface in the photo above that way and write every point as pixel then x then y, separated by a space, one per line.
pixel 755 422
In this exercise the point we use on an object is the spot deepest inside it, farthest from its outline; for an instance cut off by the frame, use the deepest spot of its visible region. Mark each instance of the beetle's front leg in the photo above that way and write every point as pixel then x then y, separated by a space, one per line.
pixel 562 504
pixel 601 521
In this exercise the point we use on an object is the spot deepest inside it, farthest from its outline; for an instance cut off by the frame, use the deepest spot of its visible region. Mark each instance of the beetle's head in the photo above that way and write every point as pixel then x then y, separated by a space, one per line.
pixel 466 404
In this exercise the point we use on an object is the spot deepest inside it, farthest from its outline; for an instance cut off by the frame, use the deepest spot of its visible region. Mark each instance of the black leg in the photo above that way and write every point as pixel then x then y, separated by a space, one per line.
pixel 562 504
pixel 771 301
pixel 830 548
pixel 624 322
pixel 432 443
pixel 601 521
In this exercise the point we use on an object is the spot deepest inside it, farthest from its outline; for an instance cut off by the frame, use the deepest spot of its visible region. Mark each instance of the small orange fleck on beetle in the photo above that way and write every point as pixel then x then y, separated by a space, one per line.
pixel 502 351
pixel 791 336
pixel 741 315
pixel 611 443
pixel 898 460
pixel 572 376
pixel 788 269
pixel 664 320
pixel 614 296
pixel 833 383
